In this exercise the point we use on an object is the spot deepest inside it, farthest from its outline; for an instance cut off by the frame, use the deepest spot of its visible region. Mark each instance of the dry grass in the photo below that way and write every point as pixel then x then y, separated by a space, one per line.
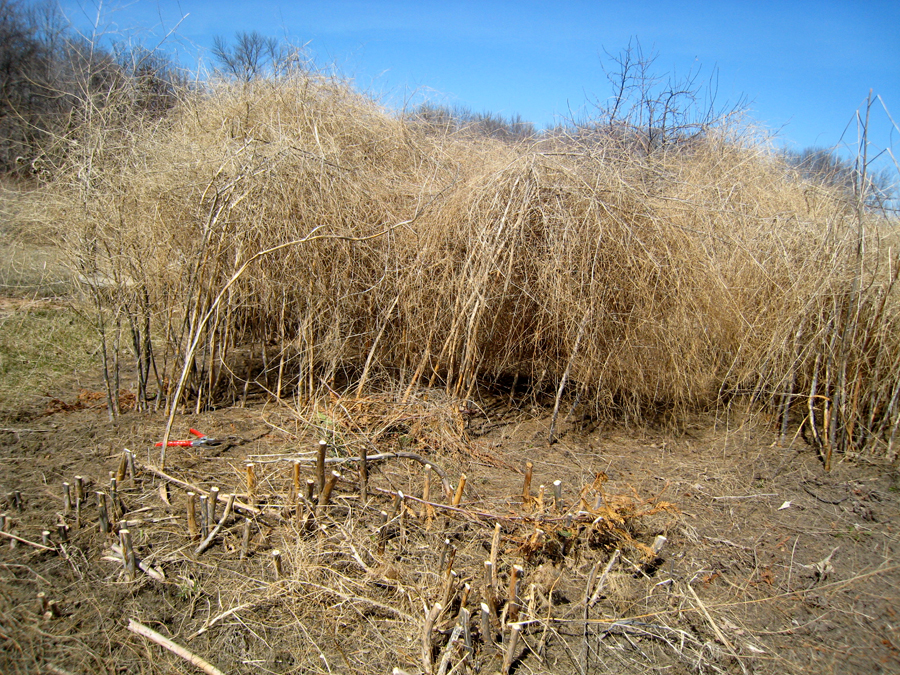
pixel 289 236
pixel 45 346
pixel 359 577
pixel 31 265
pixel 732 590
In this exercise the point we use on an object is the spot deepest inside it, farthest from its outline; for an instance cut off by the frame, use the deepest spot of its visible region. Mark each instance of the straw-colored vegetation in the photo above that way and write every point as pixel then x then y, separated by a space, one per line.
pixel 291 235
pixel 385 276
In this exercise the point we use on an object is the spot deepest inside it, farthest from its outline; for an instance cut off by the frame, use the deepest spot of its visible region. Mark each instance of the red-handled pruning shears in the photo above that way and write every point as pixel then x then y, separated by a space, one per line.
pixel 201 440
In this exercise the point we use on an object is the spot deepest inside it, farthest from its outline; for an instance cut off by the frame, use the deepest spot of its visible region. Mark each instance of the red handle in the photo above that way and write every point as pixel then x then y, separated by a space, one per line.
pixel 184 444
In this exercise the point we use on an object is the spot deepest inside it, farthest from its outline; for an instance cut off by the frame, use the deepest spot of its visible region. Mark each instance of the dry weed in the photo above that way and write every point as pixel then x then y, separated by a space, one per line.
pixel 288 236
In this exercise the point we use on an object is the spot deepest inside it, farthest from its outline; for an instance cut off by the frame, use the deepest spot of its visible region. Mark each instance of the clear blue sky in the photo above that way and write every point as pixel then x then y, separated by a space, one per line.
pixel 805 67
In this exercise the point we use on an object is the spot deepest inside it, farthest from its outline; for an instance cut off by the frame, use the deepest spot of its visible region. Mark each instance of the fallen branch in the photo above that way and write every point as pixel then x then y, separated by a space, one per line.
pixel 212 535
pixel 370 458
pixel 224 615
pixel 25 541
pixel 239 506
pixel 191 658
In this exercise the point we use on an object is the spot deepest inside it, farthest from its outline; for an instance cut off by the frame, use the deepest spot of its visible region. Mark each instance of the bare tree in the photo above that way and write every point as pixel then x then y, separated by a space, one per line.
pixel 826 167
pixel 252 55
pixel 26 73
pixel 154 80
pixel 443 119
pixel 55 83
pixel 654 111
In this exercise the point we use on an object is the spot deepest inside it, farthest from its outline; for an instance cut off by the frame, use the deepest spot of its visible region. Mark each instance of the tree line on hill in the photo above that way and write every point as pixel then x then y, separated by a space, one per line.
pixel 52 79
pixel 826 167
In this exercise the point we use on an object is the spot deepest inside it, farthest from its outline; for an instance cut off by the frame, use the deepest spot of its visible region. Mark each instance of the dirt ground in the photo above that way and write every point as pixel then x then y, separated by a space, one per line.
pixel 771 564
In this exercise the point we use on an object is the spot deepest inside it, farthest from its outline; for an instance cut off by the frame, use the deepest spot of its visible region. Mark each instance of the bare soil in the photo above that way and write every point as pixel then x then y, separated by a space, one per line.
pixel 771 564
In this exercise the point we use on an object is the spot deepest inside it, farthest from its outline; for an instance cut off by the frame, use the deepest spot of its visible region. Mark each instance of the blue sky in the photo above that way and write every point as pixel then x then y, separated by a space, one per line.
pixel 804 67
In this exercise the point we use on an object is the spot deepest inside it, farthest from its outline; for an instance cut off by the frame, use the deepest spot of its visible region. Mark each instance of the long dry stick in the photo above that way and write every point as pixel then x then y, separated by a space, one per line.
pixel 602 582
pixel 212 535
pixel 585 644
pixel 719 634
pixel 565 377
pixel 365 373
pixel 241 506
pixel 177 649
pixel 198 330
pixel 25 541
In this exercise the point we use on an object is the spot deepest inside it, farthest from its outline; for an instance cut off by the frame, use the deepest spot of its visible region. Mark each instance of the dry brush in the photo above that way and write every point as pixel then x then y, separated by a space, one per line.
pixel 288 236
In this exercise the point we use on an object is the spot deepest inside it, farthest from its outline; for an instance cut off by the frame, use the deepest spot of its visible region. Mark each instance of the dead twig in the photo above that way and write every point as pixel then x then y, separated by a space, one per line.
pixel 212 535
pixel 25 541
pixel 224 615
pixel 240 506
pixel 176 649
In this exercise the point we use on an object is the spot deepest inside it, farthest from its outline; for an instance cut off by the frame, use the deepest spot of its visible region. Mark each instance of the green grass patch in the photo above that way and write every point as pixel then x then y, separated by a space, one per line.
pixel 44 351
pixel 31 270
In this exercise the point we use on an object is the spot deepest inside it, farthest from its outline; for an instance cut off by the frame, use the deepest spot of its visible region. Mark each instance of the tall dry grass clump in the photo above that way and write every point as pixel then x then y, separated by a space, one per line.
pixel 289 235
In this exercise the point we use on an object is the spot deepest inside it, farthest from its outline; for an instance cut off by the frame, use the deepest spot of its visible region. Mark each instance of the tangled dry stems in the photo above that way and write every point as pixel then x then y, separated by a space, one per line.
pixel 380 566
pixel 359 578
pixel 644 282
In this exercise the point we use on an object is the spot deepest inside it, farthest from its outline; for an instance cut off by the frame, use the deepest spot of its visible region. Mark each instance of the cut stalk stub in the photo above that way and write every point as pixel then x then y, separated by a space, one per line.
pixel 512 642
pixel 122 468
pixel 526 487
pixel 513 599
pixel 557 495
pixel 129 458
pixel 211 505
pixel 320 465
pixel 325 494
pixel 276 561
pixel 245 538
pixel 67 498
pixel 487 635
pixel 204 516
pixel 495 553
pixel 459 490
pixel 295 480
pixel 128 557
pixel 103 513
pixel 251 482
pixel 193 529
